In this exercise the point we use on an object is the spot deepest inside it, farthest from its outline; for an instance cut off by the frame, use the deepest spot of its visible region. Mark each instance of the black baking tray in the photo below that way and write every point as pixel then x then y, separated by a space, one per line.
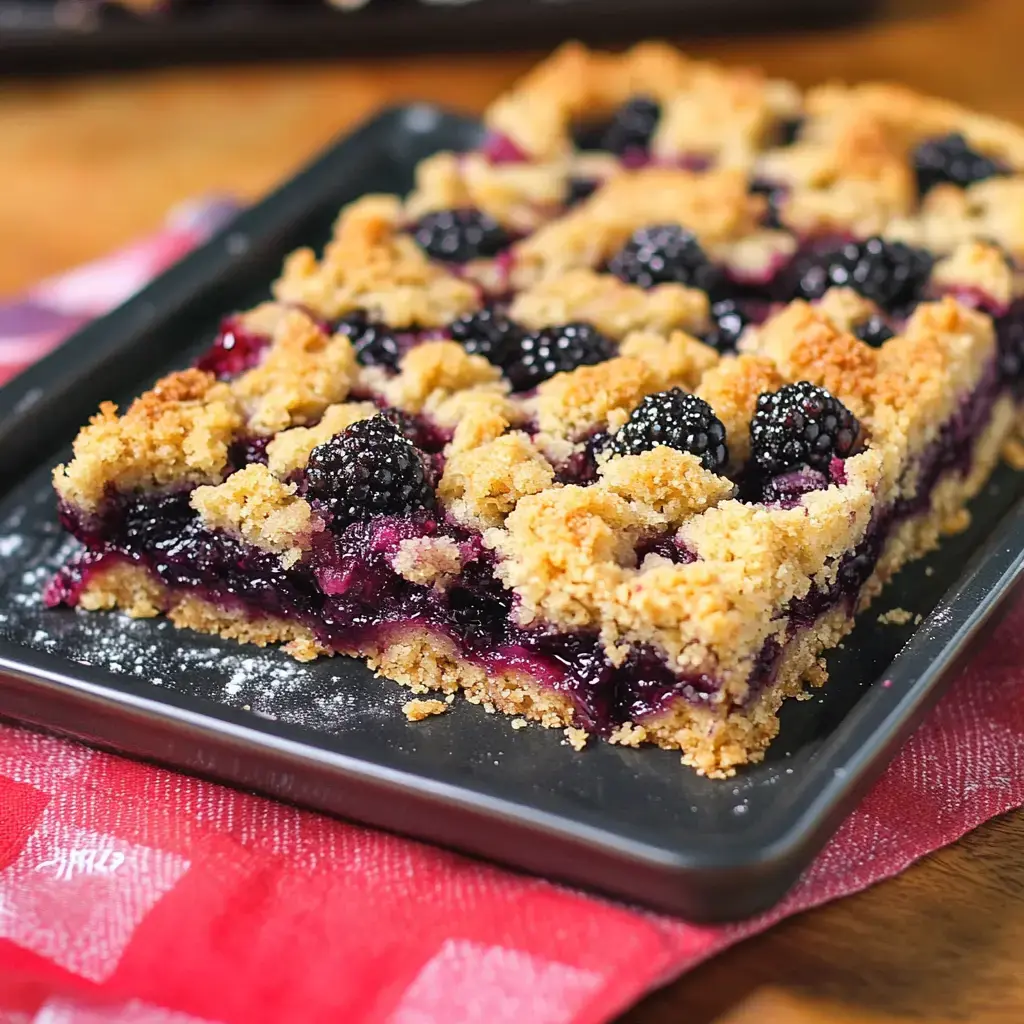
pixel 39 35
pixel 330 736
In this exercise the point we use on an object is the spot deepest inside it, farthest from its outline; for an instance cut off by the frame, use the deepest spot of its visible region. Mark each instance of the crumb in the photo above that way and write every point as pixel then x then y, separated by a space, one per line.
pixel 1013 453
pixel 417 710
pixel 519 723
pixel 450 699
pixel 576 738
pixel 918 619
pixel 929 571
pixel 895 617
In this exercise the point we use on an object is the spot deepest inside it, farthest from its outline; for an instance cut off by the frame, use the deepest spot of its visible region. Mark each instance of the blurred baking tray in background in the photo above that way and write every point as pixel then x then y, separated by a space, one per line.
pixel 50 36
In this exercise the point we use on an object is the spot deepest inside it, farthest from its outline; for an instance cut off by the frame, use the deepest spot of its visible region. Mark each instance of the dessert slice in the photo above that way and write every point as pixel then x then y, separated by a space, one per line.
pixel 623 460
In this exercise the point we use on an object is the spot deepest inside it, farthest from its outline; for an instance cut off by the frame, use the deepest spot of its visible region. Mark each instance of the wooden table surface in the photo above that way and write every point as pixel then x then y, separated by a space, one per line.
pixel 86 164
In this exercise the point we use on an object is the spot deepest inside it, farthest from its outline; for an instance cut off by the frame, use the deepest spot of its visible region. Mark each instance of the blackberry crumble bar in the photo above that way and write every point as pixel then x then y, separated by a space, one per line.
pixel 613 424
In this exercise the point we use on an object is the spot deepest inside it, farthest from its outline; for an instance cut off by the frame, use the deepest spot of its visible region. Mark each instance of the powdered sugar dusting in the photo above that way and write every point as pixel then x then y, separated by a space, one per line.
pixel 322 695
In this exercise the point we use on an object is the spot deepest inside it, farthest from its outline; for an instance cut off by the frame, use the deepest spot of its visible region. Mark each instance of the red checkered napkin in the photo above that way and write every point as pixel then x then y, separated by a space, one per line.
pixel 134 895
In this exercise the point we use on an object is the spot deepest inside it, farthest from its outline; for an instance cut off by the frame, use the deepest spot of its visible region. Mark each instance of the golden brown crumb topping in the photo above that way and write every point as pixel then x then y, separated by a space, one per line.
pixel 370 265
pixel 673 485
pixel 613 307
pixel 434 371
pixel 302 373
pixel 716 206
pixel 428 561
pixel 255 506
pixel 289 450
pixel 481 485
pixel 177 433
pixel 579 400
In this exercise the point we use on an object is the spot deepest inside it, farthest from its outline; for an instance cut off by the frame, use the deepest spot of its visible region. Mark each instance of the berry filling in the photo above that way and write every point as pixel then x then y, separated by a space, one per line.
pixel 233 351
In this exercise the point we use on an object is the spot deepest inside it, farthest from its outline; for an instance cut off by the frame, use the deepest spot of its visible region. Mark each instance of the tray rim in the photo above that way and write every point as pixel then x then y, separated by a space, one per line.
pixel 860 747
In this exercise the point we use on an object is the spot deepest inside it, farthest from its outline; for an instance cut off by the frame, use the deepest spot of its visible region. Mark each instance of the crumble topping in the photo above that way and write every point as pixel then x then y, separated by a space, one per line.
pixel 716 206
pixel 673 485
pixel 433 371
pixel 980 266
pixel 679 360
pixel 520 195
pixel 572 403
pixel 575 82
pixel 474 413
pixel 731 388
pixel 369 265
pixel 417 710
pixel 302 373
pixel 176 433
pixel 612 306
pixel 257 507
pixel 845 308
pixel 949 216
pixel 806 345
pixel 565 550
pixel 481 486
pixel 428 561
pixel 289 451
pixel 727 117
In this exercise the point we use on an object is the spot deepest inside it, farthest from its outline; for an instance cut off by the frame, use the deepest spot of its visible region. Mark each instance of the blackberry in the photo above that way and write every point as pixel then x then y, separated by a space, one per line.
pixel 369 469
pixel 541 354
pixel 678 420
pixel 801 425
pixel 629 129
pixel 950 159
pixel 730 321
pixel 487 333
pixel 458 236
pixel 891 274
pixel 374 344
pixel 874 331
pixel 662 254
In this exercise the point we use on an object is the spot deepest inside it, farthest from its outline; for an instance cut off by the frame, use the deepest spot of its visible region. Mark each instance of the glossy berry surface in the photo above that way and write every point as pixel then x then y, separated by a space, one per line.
pixel 730 320
pixel 678 420
pixel 233 351
pixel 537 356
pixel 951 160
pixel 891 274
pixel 374 344
pixel 664 254
pixel 370 469
pixel 874 331
pixel 488 333
pixel 801 425
pixel 458 236
pixel 629 129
